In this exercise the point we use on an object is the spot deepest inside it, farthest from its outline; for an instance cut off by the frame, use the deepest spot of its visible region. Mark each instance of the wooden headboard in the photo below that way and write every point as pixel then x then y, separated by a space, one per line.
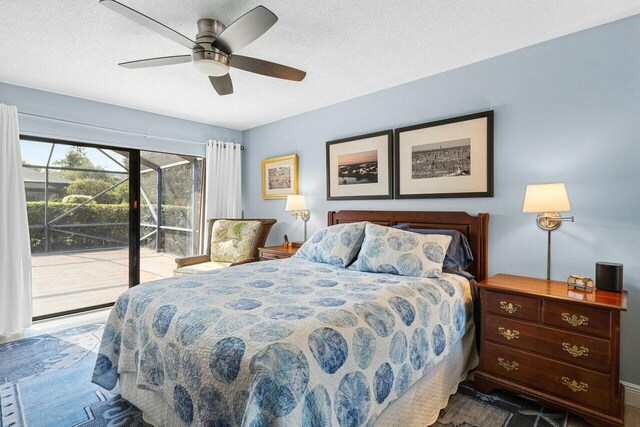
pixel 476 228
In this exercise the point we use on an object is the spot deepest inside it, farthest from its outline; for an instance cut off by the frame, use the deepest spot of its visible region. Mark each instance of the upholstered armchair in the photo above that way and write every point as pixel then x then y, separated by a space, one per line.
pixel 231 242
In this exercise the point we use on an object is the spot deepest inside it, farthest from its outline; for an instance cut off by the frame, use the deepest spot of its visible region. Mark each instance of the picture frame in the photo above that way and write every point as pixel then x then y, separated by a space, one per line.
pixel 279 177
pixel 360 167
pixel 445 158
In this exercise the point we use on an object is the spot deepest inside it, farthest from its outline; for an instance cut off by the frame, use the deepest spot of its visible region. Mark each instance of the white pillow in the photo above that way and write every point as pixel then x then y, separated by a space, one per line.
pixel 389 250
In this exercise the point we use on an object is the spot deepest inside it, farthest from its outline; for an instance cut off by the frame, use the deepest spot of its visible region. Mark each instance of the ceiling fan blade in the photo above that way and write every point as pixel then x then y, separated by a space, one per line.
pixel 245 29
pixel 222 84
pixel 148 23
pixel 267 68
pixel 157 62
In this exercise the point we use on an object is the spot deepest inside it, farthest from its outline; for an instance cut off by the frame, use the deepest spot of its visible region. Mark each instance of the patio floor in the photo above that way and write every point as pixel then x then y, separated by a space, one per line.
pixel 71 280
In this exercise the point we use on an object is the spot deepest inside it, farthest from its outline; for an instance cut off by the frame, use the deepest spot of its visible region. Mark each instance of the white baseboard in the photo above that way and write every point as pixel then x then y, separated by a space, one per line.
pixel 631 394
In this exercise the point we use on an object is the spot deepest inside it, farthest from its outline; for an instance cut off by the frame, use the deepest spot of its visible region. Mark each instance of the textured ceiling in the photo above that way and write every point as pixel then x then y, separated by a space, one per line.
pixel 348 48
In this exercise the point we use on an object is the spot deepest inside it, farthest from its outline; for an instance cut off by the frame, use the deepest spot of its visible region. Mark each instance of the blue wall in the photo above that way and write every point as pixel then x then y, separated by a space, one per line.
pixel 106 115
pixel 565 110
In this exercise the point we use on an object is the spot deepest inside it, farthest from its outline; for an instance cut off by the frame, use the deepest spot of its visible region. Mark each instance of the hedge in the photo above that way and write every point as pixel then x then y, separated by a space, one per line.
pixel 94 213
pixel 76 199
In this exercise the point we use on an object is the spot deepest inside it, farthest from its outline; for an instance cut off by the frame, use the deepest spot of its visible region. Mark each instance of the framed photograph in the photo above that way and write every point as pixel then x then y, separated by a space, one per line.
pixel 445 158
pixel 360 167
pixel 280 177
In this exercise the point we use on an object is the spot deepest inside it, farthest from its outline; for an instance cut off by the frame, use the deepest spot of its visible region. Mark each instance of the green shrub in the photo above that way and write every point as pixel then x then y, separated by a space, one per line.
pixel 94 186
pixel 96 213
pixel 76 199
pixel 91 213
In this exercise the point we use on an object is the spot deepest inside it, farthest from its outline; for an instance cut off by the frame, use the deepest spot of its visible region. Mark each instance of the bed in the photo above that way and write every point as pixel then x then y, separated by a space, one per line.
pixel 296 342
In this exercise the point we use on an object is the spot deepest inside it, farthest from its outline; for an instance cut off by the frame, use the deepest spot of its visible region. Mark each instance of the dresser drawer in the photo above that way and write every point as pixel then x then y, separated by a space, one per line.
pixel 512 305
pixel 573 348
pixel 547 375
pixel 577 318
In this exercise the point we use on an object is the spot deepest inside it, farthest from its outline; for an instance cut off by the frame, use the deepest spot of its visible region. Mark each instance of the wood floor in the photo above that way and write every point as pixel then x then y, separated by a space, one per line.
pixel 631 418
pixel 71 280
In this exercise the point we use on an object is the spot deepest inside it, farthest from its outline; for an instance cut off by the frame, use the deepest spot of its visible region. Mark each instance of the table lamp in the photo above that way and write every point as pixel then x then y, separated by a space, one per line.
pixel 547 200
pixel 297 204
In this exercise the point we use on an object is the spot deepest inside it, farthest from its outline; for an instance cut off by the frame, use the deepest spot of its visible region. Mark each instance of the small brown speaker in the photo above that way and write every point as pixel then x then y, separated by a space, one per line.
pixel 609 276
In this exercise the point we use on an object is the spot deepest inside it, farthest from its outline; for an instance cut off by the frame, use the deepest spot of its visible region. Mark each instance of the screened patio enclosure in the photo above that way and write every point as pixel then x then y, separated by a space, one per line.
pixel 80 219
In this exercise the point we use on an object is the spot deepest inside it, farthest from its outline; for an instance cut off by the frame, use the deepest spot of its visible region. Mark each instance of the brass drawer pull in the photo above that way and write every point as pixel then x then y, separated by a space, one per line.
pixel 508 333
pixel 575 320
pixel 508 365
pixel 510 307
pixel 574 385
pixel 574 350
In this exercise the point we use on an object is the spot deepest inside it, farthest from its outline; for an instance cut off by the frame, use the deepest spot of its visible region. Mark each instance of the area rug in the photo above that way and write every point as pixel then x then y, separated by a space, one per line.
pixel 470 408
pixel 46 381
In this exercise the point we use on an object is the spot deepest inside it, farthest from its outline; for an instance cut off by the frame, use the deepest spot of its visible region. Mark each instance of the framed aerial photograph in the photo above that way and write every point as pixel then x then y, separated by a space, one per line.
pixel 280 177
pixel 445 158
pixel 360 167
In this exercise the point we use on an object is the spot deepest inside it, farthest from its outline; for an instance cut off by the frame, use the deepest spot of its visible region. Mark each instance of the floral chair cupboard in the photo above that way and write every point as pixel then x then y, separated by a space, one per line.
pixel 231 242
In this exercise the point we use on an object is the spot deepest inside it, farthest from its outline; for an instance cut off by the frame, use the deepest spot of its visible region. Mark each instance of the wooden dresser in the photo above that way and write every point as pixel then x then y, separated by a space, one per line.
pixel 559 346
pixel 275 252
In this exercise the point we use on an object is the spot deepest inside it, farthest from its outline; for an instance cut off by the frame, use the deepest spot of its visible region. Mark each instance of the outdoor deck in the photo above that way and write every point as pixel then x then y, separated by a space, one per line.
pixel 71 280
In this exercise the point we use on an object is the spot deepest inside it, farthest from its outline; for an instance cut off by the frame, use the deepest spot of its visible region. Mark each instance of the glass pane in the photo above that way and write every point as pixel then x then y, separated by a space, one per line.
pixel 34 153
pixel 172 183
pixel 88 158
pixel 79 227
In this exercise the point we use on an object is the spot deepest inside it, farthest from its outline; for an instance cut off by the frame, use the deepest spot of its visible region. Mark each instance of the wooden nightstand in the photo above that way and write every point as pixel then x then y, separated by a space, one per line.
pixel 275 252
pixel 561 347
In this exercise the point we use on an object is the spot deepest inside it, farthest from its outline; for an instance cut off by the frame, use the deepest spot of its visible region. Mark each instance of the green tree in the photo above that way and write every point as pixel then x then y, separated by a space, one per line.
pixel 121 192
pixel 76 157
pixel 92 187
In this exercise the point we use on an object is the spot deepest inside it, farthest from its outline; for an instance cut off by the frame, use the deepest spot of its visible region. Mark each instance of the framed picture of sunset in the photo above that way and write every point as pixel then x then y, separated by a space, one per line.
pixel 359 167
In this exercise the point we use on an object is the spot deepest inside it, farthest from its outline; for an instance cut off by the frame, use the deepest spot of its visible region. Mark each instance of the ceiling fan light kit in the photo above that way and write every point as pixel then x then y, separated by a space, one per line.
pixel 215 64
pixel 213 51
pixel 206 58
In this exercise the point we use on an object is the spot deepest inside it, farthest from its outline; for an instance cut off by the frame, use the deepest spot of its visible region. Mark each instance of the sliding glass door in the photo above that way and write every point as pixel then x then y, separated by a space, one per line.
pixel 82 210
pixel 170 190
pixel 103 219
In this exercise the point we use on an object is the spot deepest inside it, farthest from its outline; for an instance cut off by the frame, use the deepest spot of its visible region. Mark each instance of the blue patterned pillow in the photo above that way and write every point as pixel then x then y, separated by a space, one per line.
pixel 336 245
pixel 389 250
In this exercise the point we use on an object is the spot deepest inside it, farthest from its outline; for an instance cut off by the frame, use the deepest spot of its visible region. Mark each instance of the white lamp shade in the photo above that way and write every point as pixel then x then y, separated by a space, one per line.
pixel 546 198
pixel 296 203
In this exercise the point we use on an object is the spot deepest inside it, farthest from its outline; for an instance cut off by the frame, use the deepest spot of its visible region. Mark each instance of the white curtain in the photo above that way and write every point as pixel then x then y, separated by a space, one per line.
pixel 15 251
pixel 223 185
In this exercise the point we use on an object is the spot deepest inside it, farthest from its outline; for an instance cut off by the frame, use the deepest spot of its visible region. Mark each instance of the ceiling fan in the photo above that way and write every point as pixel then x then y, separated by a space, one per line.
pixel 215 47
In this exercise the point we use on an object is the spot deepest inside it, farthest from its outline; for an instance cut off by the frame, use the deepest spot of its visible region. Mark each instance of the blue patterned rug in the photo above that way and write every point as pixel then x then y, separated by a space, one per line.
pixel 45 381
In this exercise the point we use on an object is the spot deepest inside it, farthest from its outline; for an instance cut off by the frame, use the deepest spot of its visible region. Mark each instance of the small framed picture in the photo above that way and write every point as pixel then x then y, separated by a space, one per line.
pixel 445 158
pixel 280 177
pixel 360 167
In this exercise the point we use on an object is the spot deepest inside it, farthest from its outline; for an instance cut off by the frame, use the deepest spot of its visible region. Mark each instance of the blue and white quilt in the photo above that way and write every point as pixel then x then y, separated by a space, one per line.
pixel 282 343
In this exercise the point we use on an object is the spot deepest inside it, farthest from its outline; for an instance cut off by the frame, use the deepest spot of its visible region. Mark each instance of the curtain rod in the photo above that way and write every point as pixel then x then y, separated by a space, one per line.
pixel 224 144
pixel 143 135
